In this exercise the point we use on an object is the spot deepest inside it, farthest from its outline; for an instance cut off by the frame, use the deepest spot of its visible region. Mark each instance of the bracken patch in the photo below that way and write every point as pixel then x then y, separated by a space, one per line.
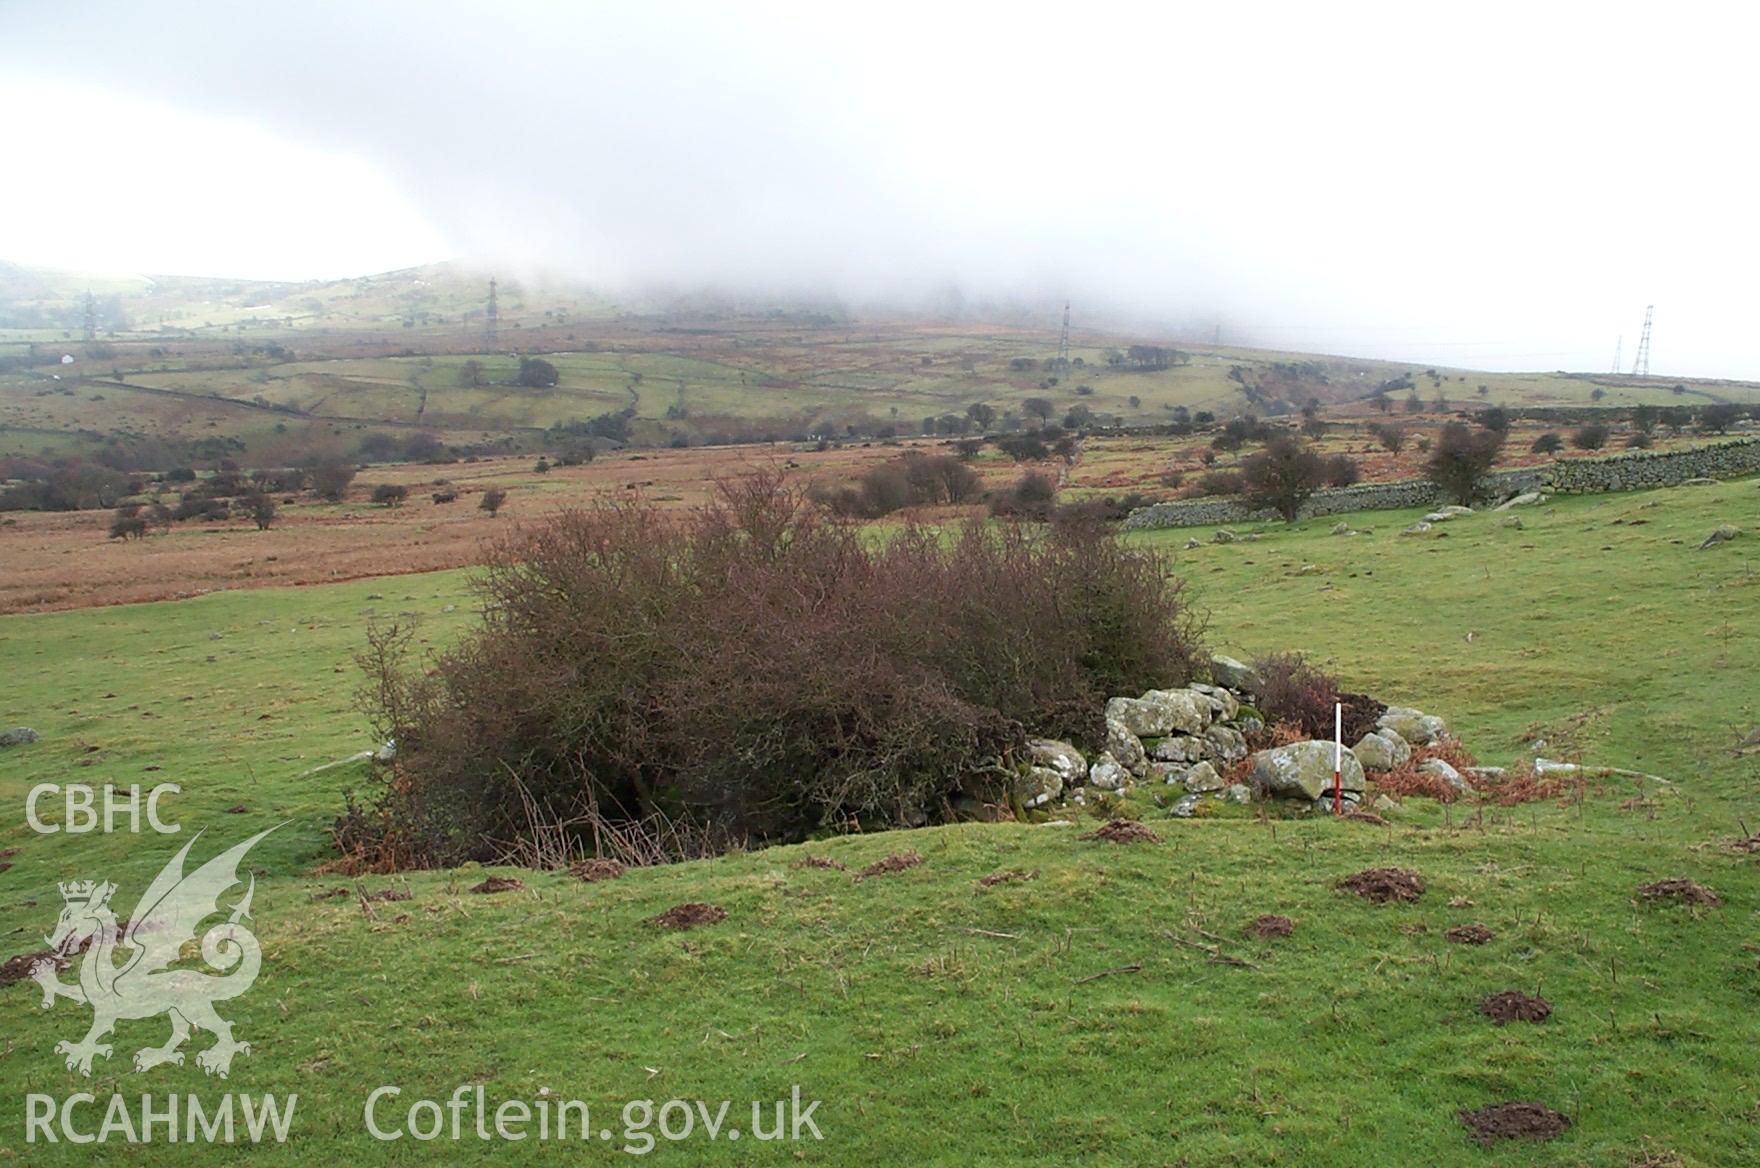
pixel 897 862
pixel 819 862
pixel 1681 889
pixel 690 916
pixel 1271 925
pixel 496 884
pixel 1123 831
pixel 1508 1006
pixel 592 871
pixel 1382 885
pixel 1514 1120
pixel 1006 876
pixel 18 968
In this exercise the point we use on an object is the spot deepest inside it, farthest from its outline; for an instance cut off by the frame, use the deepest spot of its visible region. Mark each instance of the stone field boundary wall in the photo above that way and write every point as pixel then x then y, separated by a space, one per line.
pixel 1639 470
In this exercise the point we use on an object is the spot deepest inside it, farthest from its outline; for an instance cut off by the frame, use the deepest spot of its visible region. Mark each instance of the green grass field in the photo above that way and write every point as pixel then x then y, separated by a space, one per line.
pixel 940 1022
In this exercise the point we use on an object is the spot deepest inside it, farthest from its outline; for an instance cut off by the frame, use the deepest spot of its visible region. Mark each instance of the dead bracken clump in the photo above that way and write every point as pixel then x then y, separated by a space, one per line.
pixel 1360 815
pixel 1123 831
pixel 385 895
pixel 1384 884
pixel 1513 1121
pixel 820 862
pixel 898 862
pixel 689 916
pixel 1271 925
pixel 19 968
pixel 1678 888
pixel 1006 876
pixel 1474 934
pixel 1515 1006
pixel 592 871
pixel 495 884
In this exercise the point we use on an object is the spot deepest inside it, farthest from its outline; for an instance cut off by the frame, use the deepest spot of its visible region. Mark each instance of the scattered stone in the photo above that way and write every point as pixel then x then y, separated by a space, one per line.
pixel 1513 1121
pixel 1308 570
pixel 1038 786
pixel 1179 748
pixel 495 884
pixel 1701 481
pixel 1126 748
pixel 1384 803
pixel 1185 807
pixel 1723 534
pixel 1382 885
pixel 1343 529
pixel 1683 890
pixel 1418 528
pixel 1123 831
pixel 691 915
pixel 1193 543
pixel 593 871
pixel 1526 499
pixel 1061 757
pixel 1202 779
pixel 1232 674
pixel 386 753
pixel 897 862
pixel 1415 726
pixel 1304 770
pixel 1223 535
pixel 1474 934
pixel 1006 876
pixel 1445 772
pixel 1382 751
pixel 1513 522
pixel 1107 774
pixel 1237 793
pixel 18 736
pixel 1271 925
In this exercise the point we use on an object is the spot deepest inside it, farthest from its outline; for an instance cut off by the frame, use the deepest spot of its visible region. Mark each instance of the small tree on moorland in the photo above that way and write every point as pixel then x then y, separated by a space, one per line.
pixel 1548 443
pixel 390 494
pixel 1282 477
pixel 128 523
pixel 261 509
pixel 1590 437
pixel 492 500
pixel 1392 437
pixel 330 480
pixel 1461 457
pixel 1719 417
pixel 753 671
pixel 536 373
pixel 1343 471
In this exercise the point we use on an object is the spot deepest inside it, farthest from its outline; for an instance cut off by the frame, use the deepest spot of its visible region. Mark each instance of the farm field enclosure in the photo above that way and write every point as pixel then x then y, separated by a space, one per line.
pixel 1355 1038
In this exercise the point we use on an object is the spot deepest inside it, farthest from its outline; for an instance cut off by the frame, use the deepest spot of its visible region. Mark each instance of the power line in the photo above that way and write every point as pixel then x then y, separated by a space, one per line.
pixel 1641 363
pixel 1063 340
pixel 491 316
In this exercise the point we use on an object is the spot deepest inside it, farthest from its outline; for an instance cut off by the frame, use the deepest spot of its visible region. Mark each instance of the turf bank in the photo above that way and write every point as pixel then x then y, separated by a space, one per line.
pixel 83 1118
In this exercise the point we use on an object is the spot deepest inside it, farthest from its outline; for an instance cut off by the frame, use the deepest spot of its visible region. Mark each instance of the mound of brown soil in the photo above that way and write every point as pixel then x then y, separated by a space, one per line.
pixel 391 894
pixel 1474 934
pixel 1515 1006
pixel 492 885
pixel 819 862
pixel 1123 831
pixel 1271 925
pixel 1384 884
pixel 1513 1121
pixel 18 968
pixel 593 871
pixel 1006 876
pixel 1677 888
pixel 689 916
pixel 897 862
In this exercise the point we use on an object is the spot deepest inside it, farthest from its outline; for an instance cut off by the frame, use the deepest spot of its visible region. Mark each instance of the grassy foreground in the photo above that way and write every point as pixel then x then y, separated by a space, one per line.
pixel 942 1022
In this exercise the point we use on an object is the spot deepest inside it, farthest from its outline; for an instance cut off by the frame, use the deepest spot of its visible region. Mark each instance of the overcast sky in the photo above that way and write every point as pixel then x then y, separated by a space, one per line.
pixel 1493 185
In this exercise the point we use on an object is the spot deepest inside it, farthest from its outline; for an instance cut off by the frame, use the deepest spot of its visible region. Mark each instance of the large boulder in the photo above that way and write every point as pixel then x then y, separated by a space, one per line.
pixel 1382 750
pixel 1232 674
pixel 1303 770
pixel 1161 711
pixel 1445 772
pixel 1061 757
pixel 18 736
pixel 1415 726
pixel 1107 774
pixel 1722 534
pixel 1038 786
pixel 1124 746
pixel 1525 499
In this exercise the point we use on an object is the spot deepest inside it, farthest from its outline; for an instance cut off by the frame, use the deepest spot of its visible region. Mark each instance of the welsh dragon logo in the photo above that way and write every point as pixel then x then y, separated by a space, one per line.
pixel 141 985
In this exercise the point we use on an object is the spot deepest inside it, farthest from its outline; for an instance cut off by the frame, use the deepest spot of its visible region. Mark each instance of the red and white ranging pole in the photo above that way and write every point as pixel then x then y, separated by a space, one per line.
pixel 1338 758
